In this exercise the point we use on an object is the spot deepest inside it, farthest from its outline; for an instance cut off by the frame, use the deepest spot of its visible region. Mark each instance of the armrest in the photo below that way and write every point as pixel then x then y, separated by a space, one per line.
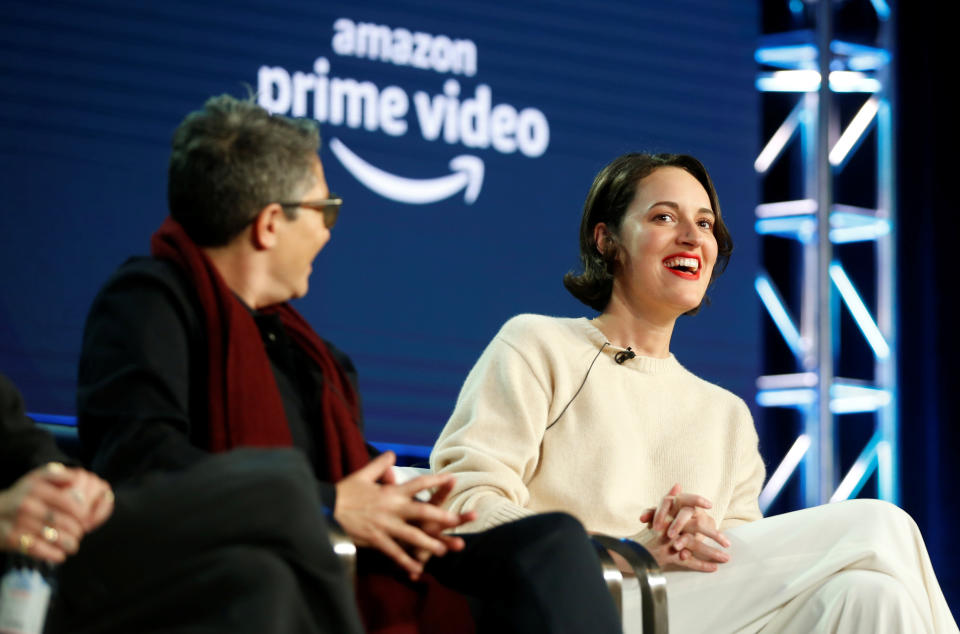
pixel 612 574
pixel 653 585
pixel 343 547
pixel 405 474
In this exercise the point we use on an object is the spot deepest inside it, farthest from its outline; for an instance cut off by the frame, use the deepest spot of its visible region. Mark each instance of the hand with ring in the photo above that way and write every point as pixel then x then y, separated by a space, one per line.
pixel 95 495
pixel 41 517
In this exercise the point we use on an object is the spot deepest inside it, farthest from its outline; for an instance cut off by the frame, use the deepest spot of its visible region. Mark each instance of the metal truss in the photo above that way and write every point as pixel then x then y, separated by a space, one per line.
pixel 816 141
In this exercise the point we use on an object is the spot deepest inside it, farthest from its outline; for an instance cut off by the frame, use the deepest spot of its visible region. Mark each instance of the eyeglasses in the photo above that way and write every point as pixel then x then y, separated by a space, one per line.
pixel 329 207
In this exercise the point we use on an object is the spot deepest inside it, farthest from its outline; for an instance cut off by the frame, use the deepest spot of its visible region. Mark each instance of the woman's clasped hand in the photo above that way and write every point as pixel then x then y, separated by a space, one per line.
pixel 47 512
pixel 682 535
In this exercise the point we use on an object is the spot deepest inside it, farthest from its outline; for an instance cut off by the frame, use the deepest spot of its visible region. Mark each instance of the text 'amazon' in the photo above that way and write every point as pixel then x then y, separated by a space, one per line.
pixel 453 115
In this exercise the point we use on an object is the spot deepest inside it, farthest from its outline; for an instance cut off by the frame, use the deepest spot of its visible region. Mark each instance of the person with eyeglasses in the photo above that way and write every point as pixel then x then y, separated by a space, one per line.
pixel 193 357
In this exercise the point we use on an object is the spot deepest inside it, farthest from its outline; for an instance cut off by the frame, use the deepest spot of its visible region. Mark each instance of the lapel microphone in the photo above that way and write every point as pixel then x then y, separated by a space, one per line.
pixel 624 355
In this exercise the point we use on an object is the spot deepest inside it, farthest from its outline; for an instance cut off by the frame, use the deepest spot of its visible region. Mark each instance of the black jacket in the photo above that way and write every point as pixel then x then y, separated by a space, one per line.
pixel 142 394
pixel 23 446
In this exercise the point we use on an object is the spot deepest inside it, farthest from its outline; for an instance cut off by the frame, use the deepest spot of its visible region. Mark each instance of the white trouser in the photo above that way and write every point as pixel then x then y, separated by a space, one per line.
pixel 856 566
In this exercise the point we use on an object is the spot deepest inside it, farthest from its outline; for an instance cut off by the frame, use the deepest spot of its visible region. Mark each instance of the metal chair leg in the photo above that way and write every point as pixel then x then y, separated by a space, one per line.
pixel 653 585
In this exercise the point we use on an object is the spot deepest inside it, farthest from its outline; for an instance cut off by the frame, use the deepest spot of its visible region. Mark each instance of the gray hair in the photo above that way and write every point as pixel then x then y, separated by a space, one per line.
pixel 231 159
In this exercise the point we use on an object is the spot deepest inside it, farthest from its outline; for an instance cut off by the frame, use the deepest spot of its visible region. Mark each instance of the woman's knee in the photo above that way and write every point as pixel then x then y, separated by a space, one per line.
pixel 881 515
pixel 877 508
pixel 867 594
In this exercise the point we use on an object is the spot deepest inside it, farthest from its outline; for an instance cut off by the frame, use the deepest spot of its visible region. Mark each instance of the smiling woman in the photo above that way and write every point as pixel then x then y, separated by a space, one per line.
pixel 652 238
pixel 666 233
pixel 597 418
pixel 612 198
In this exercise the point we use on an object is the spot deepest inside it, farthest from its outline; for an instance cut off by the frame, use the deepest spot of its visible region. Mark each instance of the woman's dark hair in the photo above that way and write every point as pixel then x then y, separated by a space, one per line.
pixel 612 191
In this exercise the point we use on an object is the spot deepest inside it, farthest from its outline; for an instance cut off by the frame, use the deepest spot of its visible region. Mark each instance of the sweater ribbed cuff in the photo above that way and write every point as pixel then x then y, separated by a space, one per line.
pixel 505 512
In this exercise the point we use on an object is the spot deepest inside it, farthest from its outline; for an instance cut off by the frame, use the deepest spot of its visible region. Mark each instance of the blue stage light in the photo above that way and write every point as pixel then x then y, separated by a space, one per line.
pixel 779 140
pixel 781 318
pixel 792 397
pixel 859 473
pixel 802 228
pixel 852 399
pixel 782 474
pixel 809 81
pixel 855 132
pixel 856 225
pixel 882 8
pixel 796 51
pixel 859 312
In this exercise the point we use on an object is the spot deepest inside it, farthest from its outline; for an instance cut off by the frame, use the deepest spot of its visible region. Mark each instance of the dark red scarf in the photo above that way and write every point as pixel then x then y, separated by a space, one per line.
pixel 245 408
pixel 244 401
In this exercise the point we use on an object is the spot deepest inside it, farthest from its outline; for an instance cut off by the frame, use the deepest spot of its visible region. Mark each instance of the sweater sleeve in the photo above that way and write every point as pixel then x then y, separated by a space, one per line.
pixel 744 506
pixel 492 440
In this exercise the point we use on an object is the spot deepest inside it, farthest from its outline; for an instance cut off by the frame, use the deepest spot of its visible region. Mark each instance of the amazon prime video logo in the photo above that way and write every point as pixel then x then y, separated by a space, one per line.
pixel 474 122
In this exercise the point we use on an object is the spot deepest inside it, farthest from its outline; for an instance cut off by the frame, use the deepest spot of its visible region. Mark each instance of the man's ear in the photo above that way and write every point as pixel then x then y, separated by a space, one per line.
pixel 266 226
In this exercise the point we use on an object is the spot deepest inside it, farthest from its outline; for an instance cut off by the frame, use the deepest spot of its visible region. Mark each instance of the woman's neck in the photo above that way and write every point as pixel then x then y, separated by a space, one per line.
pixel 623 327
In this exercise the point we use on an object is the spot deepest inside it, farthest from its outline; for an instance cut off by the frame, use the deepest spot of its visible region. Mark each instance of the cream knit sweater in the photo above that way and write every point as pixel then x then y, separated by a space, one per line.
pixel 614 448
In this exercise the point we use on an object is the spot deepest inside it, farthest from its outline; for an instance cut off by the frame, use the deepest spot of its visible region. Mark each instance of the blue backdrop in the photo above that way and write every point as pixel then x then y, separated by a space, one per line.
pixel 536 96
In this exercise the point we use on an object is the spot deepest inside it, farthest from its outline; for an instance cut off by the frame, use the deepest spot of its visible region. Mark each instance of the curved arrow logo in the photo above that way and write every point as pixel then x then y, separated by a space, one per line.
pixel 467 175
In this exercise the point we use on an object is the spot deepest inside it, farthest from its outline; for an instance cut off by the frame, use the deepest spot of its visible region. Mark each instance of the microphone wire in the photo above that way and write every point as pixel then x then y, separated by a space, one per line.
pixel 582 383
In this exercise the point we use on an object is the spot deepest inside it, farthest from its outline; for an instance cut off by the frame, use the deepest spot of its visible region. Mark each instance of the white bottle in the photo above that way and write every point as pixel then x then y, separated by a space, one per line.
pixel 24 597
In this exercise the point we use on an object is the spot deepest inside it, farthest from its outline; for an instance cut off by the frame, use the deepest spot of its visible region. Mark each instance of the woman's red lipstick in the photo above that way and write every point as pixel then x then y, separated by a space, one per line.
pixel 680 264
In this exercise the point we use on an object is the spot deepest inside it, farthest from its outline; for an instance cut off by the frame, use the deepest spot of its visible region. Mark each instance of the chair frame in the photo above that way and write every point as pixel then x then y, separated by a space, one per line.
pixel 653 585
